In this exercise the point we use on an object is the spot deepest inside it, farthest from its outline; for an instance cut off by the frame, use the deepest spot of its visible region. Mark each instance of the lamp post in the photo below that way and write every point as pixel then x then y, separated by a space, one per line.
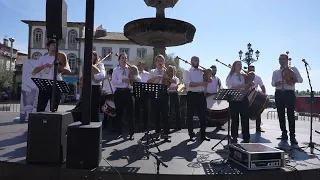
pixel 249 56
pixel 78 65
pixel 11 54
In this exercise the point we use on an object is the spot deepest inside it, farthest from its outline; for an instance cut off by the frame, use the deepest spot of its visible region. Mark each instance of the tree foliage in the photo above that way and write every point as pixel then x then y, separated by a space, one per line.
pixel 6 78
pixel 170 60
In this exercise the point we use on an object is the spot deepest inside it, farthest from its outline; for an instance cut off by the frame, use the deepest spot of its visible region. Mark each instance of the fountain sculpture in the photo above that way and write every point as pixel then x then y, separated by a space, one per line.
pixel 159 32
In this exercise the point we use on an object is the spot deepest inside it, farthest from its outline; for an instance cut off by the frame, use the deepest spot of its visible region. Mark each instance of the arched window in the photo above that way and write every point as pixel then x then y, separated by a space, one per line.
pixel 37 35
pixel 72 37
pixel 36 55
pixel 72 59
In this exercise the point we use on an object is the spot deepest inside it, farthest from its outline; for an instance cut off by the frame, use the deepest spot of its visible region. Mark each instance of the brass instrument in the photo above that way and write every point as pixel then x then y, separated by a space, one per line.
pixel 207 73
pixel 288 74
pixel 249 76
pixel 94 70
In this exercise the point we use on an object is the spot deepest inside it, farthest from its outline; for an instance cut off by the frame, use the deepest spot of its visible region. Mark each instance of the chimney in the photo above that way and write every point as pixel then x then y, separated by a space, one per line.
pixel 5 41
pixel 100 32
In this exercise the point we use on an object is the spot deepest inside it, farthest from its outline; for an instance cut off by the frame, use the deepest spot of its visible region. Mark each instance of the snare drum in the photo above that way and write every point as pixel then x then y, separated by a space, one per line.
pixel 258 102
pixel 109 108
pixel 217 111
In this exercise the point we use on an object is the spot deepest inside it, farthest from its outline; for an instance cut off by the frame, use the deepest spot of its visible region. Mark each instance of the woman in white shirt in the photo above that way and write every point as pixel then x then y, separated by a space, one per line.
pixel 174 98
pixel 236 80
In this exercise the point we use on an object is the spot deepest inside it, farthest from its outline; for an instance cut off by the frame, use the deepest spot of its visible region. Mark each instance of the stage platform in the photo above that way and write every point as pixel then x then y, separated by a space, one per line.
pixel 187 160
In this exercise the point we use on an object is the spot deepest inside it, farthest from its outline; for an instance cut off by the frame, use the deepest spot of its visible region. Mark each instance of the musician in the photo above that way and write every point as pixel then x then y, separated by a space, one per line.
pixel 236 80
pixel 142 104
pixel 108 93
pixel 174 98
pixel 196 99
pixel 160 106
pixel 214 86
pixel 285 98
pixel 45 69
pixel 96 84
pixel 122 96
pixel 257 82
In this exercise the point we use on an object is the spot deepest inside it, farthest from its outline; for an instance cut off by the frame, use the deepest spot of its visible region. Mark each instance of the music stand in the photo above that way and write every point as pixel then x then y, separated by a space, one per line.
pixel 146 91
pixel 230 95
pixel 47 84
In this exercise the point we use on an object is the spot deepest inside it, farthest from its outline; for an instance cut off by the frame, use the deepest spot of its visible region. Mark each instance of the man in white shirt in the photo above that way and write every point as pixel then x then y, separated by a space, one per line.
pixel 174 97
pixel 45 70
pixel 257 82
pixel 213 87
pixel 139 103
pixel 160 106
pixel 285 98
pixel 122 96
pixel 196 99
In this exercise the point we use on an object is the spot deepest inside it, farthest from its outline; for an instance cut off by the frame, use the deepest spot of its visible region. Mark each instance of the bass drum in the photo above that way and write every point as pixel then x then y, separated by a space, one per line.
pixel 258 102
pixel 217 111
pixel 109 108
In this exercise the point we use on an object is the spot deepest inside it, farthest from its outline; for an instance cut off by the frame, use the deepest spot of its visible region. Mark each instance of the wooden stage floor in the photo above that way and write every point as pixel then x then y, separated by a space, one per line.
pixel 185 159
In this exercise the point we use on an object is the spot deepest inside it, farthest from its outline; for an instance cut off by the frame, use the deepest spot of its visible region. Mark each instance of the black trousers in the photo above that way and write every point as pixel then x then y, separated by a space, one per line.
pixel 123 101
pixel 44 97
pixel 196 101
pixel 258 121
pixel 175 107
pixel 286 99
pixel 240 108
pixel 160 109
pixel 141 104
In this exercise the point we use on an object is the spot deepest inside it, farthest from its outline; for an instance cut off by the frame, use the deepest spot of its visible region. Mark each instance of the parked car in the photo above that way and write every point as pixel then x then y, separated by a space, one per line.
pixel 272 104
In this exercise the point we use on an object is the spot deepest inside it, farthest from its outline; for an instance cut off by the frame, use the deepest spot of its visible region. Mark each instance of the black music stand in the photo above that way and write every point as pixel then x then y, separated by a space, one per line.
pixel 229 95
pixel 146 91
pixel 47 84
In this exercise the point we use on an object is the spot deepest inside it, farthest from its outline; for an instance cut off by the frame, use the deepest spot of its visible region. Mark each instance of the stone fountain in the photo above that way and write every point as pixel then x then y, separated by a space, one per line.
pixel 159 32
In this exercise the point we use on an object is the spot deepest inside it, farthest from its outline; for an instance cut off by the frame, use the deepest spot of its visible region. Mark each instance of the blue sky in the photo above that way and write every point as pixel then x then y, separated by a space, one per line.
pixel 223 28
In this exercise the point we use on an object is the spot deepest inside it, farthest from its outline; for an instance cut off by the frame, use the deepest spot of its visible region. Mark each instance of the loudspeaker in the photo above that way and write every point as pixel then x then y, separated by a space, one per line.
pixel 84 145
pixel 47 137
pixel 56 19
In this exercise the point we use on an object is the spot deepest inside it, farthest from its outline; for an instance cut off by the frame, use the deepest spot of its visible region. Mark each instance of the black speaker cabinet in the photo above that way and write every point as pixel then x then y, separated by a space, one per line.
pixel 56 19
pixel 47 137
pixel 84 145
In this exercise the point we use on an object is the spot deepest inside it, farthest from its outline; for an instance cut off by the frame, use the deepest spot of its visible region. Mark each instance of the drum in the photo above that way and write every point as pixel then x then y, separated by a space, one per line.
pixel 109 108
pixel 217 111
pixel 258 101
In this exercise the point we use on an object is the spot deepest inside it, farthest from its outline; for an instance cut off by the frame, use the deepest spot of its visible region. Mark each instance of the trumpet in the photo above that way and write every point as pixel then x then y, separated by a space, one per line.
pixel 94 69
pixel 249 76
pixel 207 73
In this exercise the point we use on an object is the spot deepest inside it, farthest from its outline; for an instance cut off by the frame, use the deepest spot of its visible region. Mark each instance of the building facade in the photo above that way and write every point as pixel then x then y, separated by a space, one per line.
pixel 115 42
pixel 73 45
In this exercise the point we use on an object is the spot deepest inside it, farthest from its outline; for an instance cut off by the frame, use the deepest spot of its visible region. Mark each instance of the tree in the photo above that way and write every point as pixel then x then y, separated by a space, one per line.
pixel 6 78
pixel 170 60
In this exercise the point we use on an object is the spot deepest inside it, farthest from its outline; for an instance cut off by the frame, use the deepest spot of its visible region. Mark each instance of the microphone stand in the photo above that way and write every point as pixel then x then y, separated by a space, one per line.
pixel 311 143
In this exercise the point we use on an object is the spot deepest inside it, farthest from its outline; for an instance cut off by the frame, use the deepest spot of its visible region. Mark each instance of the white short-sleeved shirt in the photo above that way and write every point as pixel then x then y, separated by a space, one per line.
pixel 48 72
pixel 257 81
pixel 213 85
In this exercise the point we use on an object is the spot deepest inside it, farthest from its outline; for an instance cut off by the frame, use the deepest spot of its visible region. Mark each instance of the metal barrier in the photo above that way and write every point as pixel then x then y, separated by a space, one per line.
pixel 301 116
pixel 9 106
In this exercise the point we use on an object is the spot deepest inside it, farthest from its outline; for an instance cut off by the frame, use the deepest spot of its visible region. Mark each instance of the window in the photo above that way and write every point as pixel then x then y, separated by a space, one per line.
pixel 72 37
pixel 106 51
pixel 141 52
pixel 37 35
pixel 126 50
pixel 72 59
pixel 36 55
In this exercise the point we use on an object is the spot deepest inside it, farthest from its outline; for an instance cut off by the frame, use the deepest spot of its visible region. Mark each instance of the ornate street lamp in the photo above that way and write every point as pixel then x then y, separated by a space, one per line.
pixel 249 56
